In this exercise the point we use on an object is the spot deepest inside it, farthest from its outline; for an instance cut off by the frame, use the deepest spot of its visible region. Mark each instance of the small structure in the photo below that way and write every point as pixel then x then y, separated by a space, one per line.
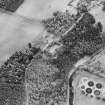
pixel 86 82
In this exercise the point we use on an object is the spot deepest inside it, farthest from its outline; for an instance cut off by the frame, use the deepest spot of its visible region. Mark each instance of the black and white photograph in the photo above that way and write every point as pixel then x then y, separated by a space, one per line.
pixel 52 52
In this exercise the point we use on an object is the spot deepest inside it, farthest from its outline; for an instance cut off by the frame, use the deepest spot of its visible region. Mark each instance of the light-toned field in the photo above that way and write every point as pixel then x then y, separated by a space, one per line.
pixel 16 30
pixel 41 8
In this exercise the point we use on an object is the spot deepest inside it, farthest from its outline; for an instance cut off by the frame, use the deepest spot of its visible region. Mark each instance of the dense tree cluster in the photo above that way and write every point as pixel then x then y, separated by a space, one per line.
pixel 84 39
pixel 10 5
pixel 13 70
pixel 59 23
pixel 12 76
pixel 13 95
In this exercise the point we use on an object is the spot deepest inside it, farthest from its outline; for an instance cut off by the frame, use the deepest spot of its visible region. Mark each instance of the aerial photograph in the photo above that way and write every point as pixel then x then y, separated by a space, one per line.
pixel 52 52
